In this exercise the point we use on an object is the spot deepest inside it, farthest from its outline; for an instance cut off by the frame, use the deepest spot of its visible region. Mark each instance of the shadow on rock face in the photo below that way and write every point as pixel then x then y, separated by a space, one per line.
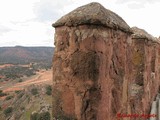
pixel 85 65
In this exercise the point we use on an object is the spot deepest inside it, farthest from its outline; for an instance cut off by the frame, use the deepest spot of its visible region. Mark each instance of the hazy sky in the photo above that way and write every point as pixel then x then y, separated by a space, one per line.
pixel 28 22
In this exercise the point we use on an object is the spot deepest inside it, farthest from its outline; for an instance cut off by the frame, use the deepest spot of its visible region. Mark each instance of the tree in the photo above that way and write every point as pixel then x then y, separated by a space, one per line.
pixel 48 90
pixel 34 91
pixel 8 110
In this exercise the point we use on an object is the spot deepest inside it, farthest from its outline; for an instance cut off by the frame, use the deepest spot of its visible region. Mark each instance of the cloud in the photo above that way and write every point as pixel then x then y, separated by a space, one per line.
pixel 16 10
pixel 136 4
pixel 138 1
pixel 30 33
pixel 49 10
pixel 9 43
pixel 28 22
pixel 4 29
pixel 21 25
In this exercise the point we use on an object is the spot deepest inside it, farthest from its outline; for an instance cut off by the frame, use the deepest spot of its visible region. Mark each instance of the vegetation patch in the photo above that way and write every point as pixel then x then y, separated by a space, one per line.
pixel 17 91
pixel 34 91
pixel 49 90
pixel 20 95
pixel 9 97
pixel 8 111
pixel 40 116
pixel 2 93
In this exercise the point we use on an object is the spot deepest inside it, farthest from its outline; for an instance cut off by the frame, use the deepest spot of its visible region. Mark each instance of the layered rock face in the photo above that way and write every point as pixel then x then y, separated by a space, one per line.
pixel 100 68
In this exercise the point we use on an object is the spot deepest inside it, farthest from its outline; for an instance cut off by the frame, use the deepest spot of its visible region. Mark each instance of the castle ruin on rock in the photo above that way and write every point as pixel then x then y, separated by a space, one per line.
pixel 102 67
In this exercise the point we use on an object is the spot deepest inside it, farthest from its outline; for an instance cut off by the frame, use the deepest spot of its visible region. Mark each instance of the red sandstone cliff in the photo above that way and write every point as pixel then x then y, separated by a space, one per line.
pixel 100 69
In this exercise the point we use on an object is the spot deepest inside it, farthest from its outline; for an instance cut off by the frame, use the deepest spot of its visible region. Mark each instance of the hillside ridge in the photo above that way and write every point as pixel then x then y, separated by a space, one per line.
pixel 23 55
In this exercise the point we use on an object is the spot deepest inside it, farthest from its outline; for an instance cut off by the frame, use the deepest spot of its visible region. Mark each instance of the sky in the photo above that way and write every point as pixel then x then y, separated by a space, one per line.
pixel 29 22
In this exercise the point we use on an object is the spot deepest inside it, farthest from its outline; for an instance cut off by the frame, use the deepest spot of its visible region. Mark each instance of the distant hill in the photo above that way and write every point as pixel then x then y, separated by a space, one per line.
pixel 24 55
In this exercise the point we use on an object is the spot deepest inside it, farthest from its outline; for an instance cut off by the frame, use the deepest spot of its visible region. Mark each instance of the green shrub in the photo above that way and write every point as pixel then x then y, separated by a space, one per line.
pixel 2 94
pixel 34 116
pixel 8 97
pixel 34 91
pixel 17 91
pixel 49 90
pixel 20 95
pixel 40 116
pixel 8 110
pixel 44 116
pixel 20 80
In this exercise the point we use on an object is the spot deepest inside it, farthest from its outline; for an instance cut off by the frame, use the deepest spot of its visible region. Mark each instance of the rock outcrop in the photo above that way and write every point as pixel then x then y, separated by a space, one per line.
pixel 145 72
pixel 101 69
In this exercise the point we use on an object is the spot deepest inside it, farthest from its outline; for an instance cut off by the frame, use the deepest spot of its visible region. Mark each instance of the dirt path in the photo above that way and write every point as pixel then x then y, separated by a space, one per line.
pixel 6 65
pixel 42 77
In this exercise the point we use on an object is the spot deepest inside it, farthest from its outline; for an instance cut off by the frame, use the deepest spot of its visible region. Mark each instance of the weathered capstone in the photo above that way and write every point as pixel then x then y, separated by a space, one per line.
pixel 142 34
pixel 100 69
pixel 93 14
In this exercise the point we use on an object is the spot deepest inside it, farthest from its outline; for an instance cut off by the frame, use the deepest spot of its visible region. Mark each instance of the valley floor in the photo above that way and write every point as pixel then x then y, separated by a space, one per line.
pixel 31 95
pixel 41 77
